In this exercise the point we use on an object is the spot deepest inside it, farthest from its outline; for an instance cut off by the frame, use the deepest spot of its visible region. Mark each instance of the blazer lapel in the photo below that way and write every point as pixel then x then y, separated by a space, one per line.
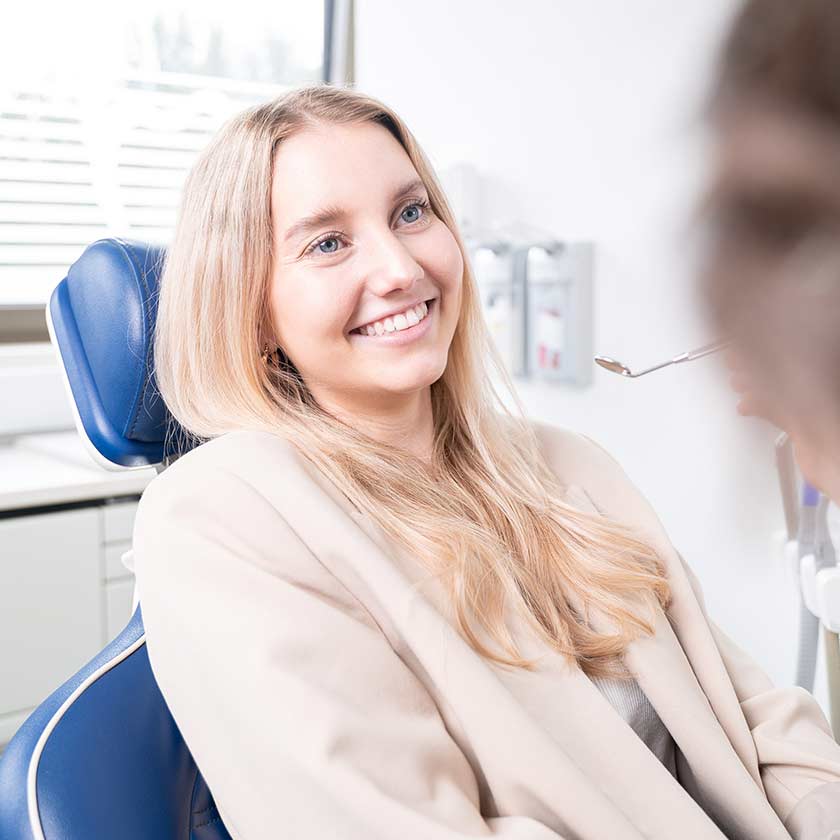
pixel 608 755
pixel 683 676
pixel 573 746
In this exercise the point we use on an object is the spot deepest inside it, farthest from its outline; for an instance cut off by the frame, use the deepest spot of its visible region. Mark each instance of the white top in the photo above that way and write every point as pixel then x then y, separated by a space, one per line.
pixel 628 699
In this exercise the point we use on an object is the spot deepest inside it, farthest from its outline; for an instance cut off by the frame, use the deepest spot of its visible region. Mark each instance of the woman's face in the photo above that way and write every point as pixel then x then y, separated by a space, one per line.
pixel 356 246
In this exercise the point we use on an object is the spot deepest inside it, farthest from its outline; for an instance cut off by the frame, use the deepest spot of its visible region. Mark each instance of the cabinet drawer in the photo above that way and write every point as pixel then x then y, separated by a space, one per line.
pixel 118 521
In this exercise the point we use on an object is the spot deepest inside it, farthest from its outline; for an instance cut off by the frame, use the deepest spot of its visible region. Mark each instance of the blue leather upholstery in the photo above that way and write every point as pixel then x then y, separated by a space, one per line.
pixel 102 318
pixel 102 758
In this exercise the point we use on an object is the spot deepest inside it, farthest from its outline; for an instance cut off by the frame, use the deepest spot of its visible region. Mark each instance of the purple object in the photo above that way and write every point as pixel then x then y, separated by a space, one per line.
pixel 810 495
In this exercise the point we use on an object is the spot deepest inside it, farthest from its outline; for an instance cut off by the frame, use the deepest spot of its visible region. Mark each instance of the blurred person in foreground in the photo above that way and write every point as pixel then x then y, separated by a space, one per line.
pixel 772 276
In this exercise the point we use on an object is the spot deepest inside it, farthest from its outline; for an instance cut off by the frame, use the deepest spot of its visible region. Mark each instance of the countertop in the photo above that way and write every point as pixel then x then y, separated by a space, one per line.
pixel 50 468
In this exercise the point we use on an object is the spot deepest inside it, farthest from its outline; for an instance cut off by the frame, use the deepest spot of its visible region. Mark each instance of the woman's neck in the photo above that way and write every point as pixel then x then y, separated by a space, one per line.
pixel 404 420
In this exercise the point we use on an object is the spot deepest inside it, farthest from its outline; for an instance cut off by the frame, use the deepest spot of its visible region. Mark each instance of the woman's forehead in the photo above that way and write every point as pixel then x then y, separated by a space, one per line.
pixel 337 152
pixel 337 167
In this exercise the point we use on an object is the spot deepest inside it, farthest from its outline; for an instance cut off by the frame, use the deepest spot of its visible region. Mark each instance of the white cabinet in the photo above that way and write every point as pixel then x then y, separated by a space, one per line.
pixel 64 594
pixel 50 604
pixel 65 522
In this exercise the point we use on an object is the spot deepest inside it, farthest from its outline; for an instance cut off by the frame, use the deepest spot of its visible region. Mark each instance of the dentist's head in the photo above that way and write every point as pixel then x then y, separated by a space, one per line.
pixel 773 274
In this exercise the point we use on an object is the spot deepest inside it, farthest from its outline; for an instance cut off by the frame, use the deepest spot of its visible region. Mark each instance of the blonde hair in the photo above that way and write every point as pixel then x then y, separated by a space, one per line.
pixel 487 517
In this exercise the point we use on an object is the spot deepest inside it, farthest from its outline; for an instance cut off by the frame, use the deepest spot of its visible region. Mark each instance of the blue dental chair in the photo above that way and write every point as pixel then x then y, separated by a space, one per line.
pixel 102 758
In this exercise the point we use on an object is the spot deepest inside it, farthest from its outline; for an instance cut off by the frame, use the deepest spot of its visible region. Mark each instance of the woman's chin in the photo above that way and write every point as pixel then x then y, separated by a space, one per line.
pixel 419 370
pixel 408 381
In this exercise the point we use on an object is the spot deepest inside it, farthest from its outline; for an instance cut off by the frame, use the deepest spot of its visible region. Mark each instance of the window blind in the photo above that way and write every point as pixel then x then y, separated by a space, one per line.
pixel 111 162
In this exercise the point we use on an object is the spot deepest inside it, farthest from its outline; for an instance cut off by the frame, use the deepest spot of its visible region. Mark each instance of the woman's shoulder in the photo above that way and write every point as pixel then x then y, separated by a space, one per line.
pixel 234 459
pixel 569 451
pixel 228 498
pixel 576 459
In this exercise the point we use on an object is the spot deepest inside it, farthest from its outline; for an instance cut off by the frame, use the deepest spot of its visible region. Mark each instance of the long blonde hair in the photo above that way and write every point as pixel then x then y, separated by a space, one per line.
pixel 488 516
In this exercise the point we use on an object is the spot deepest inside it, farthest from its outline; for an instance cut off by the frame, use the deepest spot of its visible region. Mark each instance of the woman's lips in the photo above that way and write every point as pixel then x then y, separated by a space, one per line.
pixel 398 337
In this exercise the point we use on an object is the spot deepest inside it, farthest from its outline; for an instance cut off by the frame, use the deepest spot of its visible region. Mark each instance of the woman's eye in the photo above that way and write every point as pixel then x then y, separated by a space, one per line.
pixel 327 245
pixel 332 242
pixel 416 208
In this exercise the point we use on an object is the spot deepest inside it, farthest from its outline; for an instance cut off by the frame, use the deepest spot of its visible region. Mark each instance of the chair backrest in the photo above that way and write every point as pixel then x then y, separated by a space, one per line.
pixel 102 757
pixel 101 320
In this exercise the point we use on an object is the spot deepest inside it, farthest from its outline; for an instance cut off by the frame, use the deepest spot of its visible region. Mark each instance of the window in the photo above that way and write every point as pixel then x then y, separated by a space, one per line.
pixel 101 116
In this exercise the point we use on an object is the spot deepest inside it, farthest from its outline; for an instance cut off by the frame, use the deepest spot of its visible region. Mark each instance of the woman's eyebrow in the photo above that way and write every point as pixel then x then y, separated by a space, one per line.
pixel 332 213
pixel 316 220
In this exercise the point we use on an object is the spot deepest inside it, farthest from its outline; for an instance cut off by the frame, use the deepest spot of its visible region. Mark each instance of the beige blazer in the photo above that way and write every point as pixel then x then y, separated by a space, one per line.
pixel 324 692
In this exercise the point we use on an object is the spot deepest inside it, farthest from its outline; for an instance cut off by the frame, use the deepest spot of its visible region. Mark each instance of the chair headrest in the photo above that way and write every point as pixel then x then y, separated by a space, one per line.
pixel 101 319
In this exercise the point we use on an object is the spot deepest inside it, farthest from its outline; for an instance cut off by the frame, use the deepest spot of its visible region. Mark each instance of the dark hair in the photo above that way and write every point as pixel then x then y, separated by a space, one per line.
pixel 787 51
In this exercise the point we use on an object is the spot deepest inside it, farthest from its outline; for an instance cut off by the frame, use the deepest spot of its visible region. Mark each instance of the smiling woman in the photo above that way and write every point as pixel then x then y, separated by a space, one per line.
pixel 405 423
pixel 376 601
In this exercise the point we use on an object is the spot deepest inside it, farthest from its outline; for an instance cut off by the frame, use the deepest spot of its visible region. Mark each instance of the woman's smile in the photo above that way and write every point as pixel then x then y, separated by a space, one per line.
pixel 394 332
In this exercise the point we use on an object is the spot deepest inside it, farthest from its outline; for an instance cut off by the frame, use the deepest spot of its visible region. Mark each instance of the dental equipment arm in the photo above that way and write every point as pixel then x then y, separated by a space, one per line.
pixel 819 595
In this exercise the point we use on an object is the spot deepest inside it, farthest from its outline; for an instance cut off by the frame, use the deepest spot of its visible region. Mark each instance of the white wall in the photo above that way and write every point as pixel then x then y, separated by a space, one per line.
pixel 584 116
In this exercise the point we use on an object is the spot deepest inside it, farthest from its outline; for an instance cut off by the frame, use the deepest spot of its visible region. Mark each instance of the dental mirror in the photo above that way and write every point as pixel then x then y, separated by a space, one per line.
pixel 620 368
pixel 613 365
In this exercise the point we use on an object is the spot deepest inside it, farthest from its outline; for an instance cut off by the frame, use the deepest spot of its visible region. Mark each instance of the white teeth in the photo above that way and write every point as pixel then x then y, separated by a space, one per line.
pixel 413 315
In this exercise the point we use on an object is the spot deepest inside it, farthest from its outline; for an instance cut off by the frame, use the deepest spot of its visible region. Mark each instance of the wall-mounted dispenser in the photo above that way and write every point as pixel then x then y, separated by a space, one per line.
pixel 557 280
pixel 537 302
pixel 502 299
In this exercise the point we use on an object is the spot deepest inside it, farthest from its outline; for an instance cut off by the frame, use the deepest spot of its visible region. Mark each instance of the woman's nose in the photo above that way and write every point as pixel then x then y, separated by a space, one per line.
pixel 390 264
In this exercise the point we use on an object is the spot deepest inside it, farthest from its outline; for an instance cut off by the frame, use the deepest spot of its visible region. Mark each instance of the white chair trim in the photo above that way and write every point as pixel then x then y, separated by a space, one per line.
pixel 31 789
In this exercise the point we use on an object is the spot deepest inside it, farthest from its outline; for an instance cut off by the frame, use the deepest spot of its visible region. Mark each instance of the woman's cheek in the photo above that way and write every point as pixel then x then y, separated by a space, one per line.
pixel 445 259
pixel 301 309
pixel 331 302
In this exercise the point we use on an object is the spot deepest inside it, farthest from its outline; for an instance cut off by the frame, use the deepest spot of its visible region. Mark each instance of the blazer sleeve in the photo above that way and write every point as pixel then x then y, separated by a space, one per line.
pixel 799 759
pixel 300 715
pixel 798 755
